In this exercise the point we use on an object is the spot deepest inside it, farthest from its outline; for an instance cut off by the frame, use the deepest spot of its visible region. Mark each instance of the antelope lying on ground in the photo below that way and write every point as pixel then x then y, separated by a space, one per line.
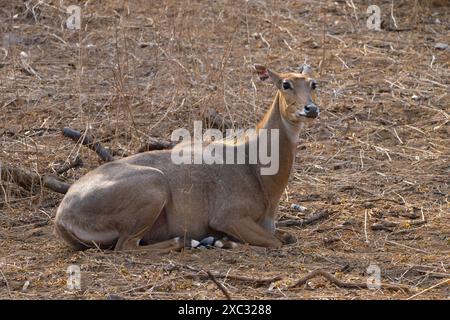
pixel 147 201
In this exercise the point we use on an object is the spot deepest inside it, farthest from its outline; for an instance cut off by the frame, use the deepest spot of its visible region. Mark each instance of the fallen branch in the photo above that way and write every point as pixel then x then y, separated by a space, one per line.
pixel 342 284
pixel 87 141
pixel 156 144
pixel 382 199
pixel 219 285
pixel 390 225
pixel 435 274
pixel 30 180
pixel 258 281
pixel 303 222
pixel 77 162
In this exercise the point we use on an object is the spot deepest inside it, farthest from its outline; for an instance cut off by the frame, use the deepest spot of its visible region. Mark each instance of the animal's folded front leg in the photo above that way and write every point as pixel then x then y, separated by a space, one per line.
pixel 248 232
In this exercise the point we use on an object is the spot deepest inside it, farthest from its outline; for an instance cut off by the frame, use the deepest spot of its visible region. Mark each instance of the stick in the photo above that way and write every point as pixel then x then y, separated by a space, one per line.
pixel 87 141
pixel 304 222
pixel 156 144
pixel 382 199
pixel 435 274
pixel 201 275
pixel 365 226
pixel 249 279
pixel 258 281
pixel 219 285
pixel 405 246
pixel 342 284
pixel 390 225
pixel 29 180
pixel 77 162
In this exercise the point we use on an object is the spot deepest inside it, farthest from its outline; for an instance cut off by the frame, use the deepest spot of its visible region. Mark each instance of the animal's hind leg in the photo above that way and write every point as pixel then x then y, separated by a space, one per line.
pixel 154 196
pixel 144 219
pixel 150 195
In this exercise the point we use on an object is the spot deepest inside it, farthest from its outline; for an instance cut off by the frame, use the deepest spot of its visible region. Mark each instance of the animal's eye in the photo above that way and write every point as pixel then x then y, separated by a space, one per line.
pixel 313 85
pixel 287 85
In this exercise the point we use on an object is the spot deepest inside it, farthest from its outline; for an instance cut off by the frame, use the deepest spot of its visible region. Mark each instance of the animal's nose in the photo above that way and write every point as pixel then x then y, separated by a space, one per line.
pixel 311 110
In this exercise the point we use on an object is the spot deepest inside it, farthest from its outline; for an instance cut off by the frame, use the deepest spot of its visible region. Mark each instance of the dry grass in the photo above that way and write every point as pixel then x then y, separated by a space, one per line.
pixel 380 150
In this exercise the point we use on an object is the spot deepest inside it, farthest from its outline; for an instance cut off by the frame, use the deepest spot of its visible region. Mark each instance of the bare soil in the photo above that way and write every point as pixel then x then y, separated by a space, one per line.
pixel 379 152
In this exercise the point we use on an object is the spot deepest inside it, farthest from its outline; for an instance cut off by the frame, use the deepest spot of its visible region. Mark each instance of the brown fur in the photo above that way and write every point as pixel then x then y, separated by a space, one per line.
pixel 148 199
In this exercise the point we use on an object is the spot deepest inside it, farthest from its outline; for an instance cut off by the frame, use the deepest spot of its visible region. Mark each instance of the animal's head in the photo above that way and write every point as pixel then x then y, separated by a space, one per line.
pixel 297 89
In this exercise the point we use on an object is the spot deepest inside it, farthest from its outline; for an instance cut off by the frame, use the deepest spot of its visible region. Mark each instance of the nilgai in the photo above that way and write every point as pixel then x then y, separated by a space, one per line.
pixel 146 201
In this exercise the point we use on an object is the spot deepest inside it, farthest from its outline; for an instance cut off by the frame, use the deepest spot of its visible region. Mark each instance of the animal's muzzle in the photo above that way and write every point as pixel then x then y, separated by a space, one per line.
pixel 311 110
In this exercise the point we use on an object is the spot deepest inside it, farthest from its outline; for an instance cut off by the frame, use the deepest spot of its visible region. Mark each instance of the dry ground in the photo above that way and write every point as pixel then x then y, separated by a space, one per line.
pixel 379 152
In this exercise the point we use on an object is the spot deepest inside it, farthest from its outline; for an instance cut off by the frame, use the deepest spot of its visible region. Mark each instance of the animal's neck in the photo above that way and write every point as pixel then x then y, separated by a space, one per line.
pixel 274 185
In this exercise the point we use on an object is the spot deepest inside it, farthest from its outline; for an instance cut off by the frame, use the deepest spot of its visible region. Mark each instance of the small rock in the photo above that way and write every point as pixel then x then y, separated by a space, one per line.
pixel 335 200
pixel 368 205
pixel 218 244
pixel 298 207
pixel 441 46
pixel 208 241
pixel 194 243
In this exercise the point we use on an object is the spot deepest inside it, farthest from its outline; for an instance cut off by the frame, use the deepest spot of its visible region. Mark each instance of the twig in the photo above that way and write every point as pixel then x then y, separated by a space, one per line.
pixel 365 226
pixel 330 278
pixel 77 162
pixel 29 180
pixel 201 275
pixel 434 274
pixel 258 281
pixel 385 225
pixel 303 222
pixel 397 136
pixel 427 289
pixel 250 279
pixel 392 15
pixel 405 246
pixel 6 283
pixel 342 284
pixel 389 225
pixel 382 199
pixel 156 144
pixel 219 285
pixel 87 141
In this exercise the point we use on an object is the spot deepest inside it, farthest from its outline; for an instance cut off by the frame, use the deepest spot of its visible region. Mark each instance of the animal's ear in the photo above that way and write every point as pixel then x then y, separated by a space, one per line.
pixel 265 74
pixel 306 69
